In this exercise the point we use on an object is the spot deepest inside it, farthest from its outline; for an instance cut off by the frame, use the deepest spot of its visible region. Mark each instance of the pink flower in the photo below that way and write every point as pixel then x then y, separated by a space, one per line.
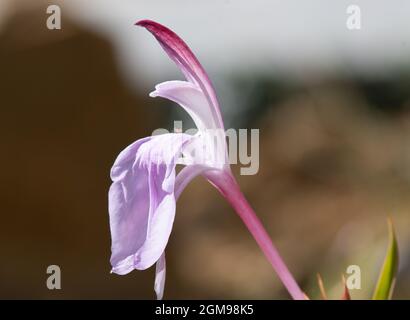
pixel 145 188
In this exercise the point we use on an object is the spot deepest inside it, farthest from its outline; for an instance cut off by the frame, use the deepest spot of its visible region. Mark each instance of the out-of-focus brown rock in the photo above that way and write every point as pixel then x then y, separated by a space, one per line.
pixel 65 115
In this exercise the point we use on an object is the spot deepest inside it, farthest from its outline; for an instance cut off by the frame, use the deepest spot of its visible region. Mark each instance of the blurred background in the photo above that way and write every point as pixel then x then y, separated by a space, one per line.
pixel 332 106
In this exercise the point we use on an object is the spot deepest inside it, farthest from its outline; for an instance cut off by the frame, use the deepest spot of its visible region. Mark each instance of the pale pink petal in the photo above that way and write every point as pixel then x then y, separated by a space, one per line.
pixel 142 200
pixel 160 275
pixel 191 98
pixel 182 180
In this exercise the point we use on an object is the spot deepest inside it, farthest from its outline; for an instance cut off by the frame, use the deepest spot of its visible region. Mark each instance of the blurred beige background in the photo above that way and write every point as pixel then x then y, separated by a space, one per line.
pixel 334 153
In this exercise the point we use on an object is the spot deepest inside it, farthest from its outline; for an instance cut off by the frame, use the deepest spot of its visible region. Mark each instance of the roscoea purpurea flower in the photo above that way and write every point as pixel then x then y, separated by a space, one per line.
pixel 145 188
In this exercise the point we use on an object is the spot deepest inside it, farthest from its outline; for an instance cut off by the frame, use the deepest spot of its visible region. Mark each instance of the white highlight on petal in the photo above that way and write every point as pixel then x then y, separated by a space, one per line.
pixel 189 96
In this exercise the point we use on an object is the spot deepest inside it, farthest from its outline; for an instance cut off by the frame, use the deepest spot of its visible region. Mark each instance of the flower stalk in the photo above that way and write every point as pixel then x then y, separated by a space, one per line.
pixel 229 188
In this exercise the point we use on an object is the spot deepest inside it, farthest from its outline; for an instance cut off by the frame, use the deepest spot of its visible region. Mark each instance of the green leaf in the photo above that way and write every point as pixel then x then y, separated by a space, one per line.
pixel 387 276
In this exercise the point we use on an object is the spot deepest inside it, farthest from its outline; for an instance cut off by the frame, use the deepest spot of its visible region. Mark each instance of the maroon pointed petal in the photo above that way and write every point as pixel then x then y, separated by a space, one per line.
pixel 182 55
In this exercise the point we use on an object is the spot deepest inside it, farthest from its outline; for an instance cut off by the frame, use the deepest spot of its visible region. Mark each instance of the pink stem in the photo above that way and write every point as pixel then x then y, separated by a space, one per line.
pixel 229 188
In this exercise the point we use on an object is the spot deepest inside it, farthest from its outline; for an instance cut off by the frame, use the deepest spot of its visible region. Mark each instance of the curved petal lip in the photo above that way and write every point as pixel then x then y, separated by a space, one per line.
pixel 190 98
